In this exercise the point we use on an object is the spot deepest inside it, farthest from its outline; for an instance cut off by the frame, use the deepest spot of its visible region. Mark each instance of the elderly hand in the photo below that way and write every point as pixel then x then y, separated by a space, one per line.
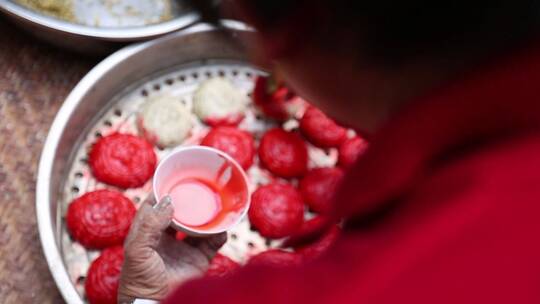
pixel 155 261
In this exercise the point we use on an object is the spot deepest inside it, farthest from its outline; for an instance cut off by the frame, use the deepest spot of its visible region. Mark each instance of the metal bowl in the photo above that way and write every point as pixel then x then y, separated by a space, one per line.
pixel 108 99
pixel 97 94
pixel 93 39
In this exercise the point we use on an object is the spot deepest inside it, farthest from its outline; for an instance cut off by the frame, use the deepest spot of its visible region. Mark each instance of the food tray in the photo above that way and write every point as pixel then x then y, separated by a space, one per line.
pixel 106 101
pixel 100 26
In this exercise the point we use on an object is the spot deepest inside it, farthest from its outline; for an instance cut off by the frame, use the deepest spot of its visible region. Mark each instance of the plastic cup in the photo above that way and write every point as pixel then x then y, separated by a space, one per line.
pixel 214 190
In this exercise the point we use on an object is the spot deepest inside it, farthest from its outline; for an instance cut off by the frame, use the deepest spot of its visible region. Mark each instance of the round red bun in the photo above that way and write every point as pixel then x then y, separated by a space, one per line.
pixel 272 98
pixel 276 258
pixel 321 130
pixel 283 153
pixel 123 160
pixel 229 121
pixel 350 150
pixel 221 266
pixel 276 210
pixel 319 186
pixel 100 219
pixel 237 143
pixel 320 246
pixel 103 277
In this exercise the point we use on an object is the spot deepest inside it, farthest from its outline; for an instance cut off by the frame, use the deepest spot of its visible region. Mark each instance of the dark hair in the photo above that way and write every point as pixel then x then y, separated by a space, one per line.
pixel 396 30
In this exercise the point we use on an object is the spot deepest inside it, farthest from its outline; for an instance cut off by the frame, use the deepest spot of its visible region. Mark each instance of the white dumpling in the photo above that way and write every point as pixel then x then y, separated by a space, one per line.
pixel 217 99
pixel 165 121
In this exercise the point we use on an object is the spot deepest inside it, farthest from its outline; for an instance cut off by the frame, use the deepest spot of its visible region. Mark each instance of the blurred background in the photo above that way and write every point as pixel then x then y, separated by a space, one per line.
pixel 35 78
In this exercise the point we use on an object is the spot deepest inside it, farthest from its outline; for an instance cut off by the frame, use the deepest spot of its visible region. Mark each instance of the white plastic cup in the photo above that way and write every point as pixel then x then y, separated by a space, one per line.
pixel 218 167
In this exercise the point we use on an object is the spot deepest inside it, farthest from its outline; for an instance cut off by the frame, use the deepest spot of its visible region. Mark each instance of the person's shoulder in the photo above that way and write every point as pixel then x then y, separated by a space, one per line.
pixel 508 158
pixel 505 167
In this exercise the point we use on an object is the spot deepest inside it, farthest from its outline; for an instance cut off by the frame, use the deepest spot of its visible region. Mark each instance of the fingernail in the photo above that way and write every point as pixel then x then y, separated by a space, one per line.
pixel 163 203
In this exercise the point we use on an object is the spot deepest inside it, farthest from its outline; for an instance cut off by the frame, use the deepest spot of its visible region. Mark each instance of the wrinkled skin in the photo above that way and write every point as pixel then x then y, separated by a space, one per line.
pixel 155 261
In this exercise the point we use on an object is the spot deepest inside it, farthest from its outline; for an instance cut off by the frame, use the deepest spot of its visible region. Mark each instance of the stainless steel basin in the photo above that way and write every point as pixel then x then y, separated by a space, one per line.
pixel 96 93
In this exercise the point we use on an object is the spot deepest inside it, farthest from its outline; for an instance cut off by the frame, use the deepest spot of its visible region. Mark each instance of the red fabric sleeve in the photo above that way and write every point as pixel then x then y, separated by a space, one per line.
pixel 468 233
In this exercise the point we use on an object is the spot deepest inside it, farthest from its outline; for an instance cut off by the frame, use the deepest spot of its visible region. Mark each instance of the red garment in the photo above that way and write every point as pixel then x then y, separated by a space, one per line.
pixel 443 208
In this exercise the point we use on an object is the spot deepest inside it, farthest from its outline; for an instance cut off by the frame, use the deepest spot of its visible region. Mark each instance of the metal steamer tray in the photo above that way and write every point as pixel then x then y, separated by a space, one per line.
pixel 107 100
pixel 100 26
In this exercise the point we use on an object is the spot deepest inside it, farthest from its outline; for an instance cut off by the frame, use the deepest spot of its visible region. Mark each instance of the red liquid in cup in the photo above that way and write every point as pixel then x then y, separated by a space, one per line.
pixel 185 193
pixel 202 203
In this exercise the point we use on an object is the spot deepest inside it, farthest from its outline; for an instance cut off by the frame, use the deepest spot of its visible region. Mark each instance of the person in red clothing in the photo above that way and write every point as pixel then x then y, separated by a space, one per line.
pixel 444 206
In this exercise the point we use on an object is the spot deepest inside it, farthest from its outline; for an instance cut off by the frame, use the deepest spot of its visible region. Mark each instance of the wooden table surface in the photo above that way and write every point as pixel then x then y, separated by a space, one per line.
pixel 34 81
